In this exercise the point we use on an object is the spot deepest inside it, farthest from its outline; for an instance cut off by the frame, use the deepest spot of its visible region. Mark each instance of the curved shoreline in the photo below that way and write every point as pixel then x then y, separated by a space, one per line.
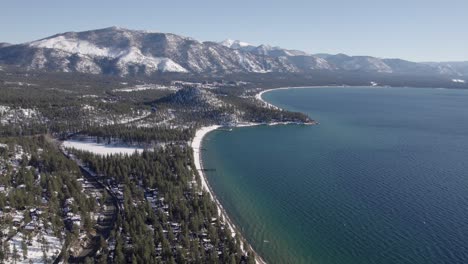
pixel 196 147
pixel 258 96
pixel 205 130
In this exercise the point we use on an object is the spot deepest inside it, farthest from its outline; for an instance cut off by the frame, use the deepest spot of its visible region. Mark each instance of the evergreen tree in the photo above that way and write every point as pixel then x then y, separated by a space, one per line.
pixel 24 248
pixel 15 256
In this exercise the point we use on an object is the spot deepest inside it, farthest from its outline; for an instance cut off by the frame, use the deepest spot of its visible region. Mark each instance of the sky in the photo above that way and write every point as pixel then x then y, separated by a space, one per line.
pixel 429 30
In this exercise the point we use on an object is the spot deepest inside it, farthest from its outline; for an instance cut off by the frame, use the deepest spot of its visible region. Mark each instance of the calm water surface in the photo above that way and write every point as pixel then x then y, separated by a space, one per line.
pixel 382 179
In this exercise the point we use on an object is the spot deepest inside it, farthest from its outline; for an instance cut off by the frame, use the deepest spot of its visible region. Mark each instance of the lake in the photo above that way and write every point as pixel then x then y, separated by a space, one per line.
pixel 382 179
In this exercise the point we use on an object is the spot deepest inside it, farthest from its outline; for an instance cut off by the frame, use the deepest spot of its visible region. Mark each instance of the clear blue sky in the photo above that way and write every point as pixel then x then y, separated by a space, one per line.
pixel 429 30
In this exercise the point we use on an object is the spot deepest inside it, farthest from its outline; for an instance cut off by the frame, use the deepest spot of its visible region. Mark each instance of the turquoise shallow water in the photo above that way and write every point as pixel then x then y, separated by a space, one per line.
pixel 382 179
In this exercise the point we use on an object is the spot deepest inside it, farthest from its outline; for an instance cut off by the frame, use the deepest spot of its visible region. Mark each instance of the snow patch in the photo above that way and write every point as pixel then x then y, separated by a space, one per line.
pixel 4 109
pixel 87 107
pixel 144 87
pixel 35 249
pixel 126 56
pixel 74 46
pixel 134 56
pixel 10 115
pixel 235 44
pixel 87 66
pixel 101 148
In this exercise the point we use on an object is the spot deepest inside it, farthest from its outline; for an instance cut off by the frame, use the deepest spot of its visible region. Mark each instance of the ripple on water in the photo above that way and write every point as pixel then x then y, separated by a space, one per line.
pixel 382 179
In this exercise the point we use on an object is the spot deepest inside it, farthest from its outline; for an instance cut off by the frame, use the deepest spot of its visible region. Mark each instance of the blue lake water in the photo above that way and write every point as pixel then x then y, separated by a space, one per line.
pixel 382 179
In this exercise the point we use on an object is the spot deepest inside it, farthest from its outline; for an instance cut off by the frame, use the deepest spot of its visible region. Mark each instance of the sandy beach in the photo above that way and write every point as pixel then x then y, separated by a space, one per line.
pixel 258 96
pixel 196 146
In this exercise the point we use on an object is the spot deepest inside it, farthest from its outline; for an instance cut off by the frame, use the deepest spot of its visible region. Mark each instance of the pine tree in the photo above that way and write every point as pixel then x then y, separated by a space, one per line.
pixel 15 257
pixel 119 254
pixel 6 250
pixel 24 248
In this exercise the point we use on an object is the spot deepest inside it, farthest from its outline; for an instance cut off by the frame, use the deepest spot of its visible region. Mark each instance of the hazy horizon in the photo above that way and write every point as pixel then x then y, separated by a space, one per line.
pixel 420 31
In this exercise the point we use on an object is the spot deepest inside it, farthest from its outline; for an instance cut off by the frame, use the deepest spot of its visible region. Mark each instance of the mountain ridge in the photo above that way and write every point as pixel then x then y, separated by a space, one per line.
pixel 124 52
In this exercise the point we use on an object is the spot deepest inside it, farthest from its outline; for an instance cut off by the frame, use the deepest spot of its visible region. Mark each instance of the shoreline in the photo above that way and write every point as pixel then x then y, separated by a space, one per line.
pixel 258 96
pixel 196 145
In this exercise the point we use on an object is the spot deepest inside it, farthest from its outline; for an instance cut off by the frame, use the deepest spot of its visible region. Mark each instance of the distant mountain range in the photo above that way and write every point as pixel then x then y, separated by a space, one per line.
pixel 119 51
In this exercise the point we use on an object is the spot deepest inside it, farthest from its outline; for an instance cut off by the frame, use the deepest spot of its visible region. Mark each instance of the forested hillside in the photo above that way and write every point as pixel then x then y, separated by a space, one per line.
pixel 60 204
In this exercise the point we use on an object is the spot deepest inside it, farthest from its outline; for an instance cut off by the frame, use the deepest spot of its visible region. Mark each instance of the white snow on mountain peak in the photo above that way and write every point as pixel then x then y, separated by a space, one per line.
pixel 235 44
pixel 125 51
pixel 168 65
pixel 134 56
pixel 73 46
pixel 263 49
pixel 130 55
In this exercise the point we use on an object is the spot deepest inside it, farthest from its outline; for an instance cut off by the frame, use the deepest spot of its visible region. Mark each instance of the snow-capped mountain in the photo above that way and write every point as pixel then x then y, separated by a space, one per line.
pixel 265 50
pixel 237 44
pixel 458 68
pixel 397 66
pixel 120 51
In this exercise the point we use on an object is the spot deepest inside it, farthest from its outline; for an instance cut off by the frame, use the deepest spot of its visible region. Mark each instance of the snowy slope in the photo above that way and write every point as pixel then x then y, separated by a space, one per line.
pixel 122 51
pixel 235 44
pixel 134 52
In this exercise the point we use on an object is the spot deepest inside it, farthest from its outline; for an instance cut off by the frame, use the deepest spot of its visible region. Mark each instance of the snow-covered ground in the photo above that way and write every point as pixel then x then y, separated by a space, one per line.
pixel 35 249
pixel 160 119
pixel 101 118
pixel 101 148
pixel 20 84
pixel 144 87
pixel 140 115
pixel 10 115
pixel 125 56
pixel 86 107
pixel 134 56
pixel 89 96
pixel 4 109
pixel 75 46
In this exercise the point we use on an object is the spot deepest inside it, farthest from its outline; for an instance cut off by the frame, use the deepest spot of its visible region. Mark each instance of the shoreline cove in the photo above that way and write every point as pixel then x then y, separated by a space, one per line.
pixel 196 145
pixel 360 153
pixel 258 96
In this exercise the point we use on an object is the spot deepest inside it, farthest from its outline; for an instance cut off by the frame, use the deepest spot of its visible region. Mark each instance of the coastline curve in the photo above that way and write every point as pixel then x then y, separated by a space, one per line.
pixel 196 145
